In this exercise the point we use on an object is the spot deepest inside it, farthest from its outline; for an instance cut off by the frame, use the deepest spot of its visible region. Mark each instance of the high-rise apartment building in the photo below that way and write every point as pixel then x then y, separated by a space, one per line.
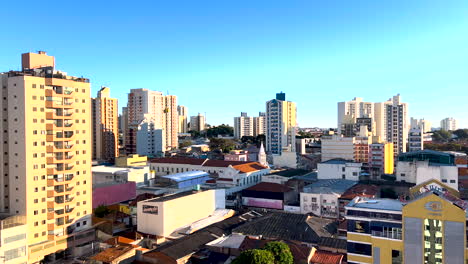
pixel 105 126
pixel 154 107
pixel 259 124
pixel 350 112
pixel 45 159
pixel 183 119
pixel 123 129
pixel 281 124
pixel 387 120
pixel 395 123
pixel 449 124
pixel 243 126
pixel 171 121
pixel 197 123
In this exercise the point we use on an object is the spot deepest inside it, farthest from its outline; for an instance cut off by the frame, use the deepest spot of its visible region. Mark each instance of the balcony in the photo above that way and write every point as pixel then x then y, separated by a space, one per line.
pixel 69 210
pixel 60 212
pixel 387 234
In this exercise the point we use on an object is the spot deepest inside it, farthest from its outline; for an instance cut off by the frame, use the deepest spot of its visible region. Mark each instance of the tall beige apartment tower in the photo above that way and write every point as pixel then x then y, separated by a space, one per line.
pixel 183 119
pixel 45 159
pixel 151 106
pixel 105 126
pixel 171 121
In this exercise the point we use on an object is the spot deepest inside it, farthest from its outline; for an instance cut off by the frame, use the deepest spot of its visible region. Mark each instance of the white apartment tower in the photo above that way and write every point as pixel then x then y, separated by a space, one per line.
pixel 281 124
pixel 259 124
pixel 243 126
pixel 449 124
pixel 349 112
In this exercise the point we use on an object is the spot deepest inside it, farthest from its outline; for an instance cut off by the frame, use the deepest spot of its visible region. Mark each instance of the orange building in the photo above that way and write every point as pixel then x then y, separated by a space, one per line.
pixel 105 126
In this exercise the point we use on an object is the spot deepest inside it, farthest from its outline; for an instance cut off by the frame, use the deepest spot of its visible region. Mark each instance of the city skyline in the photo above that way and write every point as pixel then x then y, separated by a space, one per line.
pixel 371 50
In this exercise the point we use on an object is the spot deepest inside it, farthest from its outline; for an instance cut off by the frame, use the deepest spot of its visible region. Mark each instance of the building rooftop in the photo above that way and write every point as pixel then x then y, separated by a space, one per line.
pixel 338 186
pixel 338 161
pixel 377 204
pixel 112 254
pixel 186 176
pixel 290 172
pixel 280 226
pixel 269 187
pixel 242 166
pixel 363 190
pixel 249 167
pixel 333 242
pixel 108 169
pixel 170 197
pixel 190 161
pixel 324 257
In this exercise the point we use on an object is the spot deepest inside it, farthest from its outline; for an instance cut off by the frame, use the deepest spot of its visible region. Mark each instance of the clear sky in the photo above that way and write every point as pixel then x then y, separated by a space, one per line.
pixel 224 57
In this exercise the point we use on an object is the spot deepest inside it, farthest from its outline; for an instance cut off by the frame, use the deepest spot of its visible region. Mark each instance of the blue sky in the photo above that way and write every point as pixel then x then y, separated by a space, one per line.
pixel 224 57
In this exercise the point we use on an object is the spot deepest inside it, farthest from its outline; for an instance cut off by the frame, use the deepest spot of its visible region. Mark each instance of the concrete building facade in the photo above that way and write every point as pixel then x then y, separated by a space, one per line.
pixel 197 123
pixel 243 126
pixel 449 124
pixel 183 118
pixel 259 124
pixel 281 125
pixel 46 154
pixel 105 126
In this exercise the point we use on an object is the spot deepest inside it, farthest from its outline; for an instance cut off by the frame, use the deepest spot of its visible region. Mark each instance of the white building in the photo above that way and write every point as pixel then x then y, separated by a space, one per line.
pixel 150 141
pixel 321 197
pixel 337 147
pixel 350 111
pixel 259 124
pixel 111 174
pixel 197 123
pixel 419 132
pixel 421 171
pixel 230 173
pixel 286 159
pixel 281 124
pixel 339 169
pixel 185 212
pixel 449 124
pixel 243 126
pixel 144 104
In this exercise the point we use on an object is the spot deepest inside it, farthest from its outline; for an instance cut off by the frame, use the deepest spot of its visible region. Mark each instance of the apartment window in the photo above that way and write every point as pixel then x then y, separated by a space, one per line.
pixel 35 155
pixel 43 211
pixel 78 224
pixel 36 178
pixel 35 167
pixel 34 120
pixel 42 98
pixel 43 177
pixel 444 180
pixel 36 212
pixel 36 200
pixel 34 109
pixel 36 235
pixel 42 109
pixel 402 174
pixel 35 144
pixel 84 192
pixel 83 100
pixel 34 97
pixel 34 85
pixel 43 199
pixel 42 86
pixel 84 202
pixel 43 188
pixel 43 222
pixel 36 223
pixel 43 233
pixel 452 181
pixel 83 90
pixel 34 132
pixel 77 193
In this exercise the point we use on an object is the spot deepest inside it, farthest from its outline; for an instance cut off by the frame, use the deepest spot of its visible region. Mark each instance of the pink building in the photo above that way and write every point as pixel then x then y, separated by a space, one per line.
pixel 112 194
pixel 237 155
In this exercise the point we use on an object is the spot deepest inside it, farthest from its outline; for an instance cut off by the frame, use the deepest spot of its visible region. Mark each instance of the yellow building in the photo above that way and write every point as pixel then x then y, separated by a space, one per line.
pixel 430 228
pixel 46 155
pixel 105 126
pixel 134 160
pixel 13 239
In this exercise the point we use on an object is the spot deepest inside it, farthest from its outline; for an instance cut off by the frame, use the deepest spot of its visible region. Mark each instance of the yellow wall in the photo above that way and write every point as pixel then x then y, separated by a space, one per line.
pixel 132 160
pixel 389 158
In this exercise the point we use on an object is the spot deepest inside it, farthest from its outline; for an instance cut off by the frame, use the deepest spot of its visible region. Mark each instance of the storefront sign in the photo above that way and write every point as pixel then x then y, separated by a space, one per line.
pixel 433 206
pixel 150 209
pixel 432 187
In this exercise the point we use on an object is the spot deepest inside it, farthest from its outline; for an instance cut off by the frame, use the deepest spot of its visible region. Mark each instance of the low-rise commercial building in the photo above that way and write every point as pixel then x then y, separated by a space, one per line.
pixel 430 228
pixel 268 195
pixel 162 216
pixel 321 197
pixel 133 160
pixel 339 169
pixel 112 174
pixel 13 242
pixel 419 166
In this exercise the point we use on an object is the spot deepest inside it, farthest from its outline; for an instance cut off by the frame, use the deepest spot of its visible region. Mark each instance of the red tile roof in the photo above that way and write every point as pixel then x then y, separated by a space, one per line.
pixel 223 163
pixel 324 257
pixel 249 167
pixel 269 187
pixel 118 240
pixel 362 190
pixel 112 254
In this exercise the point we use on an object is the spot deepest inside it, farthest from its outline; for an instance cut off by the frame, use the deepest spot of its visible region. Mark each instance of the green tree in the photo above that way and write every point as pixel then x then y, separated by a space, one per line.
pixel 280 251
pixel 461 133
pixel 225 145
pixel 101 211
pixel 224 130
pixel 255 256
pixel 441 136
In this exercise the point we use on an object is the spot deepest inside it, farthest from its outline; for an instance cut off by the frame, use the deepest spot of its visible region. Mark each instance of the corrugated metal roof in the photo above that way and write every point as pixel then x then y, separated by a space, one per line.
pixel 185 176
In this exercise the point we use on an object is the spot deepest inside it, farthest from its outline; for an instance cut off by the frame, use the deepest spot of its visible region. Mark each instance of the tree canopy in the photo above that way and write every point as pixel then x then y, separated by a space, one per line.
pixel 225 145
pixel 441 136
pixel 255 256
pixel 224 130
pixel 280 251
pixel 274 252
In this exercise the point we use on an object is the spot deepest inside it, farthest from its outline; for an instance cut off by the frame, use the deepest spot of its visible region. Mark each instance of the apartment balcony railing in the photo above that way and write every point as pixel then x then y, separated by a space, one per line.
pixel 387 234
